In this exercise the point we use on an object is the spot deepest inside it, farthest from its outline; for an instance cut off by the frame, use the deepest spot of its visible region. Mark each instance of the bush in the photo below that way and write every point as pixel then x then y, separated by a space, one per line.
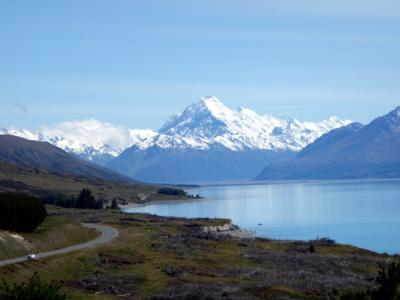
pixel 389 282
pixel 387 286
pixel 171 191
pixel 20 212
pixel 32 289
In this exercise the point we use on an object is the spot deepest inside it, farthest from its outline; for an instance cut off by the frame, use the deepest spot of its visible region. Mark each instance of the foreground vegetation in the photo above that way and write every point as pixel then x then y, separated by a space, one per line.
pixel 174 258
pixel 32 289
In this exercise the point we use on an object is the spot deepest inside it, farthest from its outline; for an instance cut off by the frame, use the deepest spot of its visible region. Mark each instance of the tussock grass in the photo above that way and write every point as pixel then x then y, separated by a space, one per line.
pixel 54 233
pixel 156 256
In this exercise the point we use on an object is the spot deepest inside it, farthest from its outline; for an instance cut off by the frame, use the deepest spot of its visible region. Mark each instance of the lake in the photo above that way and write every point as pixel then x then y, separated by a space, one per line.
pixel 361 213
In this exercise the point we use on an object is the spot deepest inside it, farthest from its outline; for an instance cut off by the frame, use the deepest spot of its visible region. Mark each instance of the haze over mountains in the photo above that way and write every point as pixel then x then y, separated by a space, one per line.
pixel 354 151
pixel 206 142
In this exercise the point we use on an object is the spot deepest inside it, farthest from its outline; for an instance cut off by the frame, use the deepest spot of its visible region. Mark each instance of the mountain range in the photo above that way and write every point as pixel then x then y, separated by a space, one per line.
pixel 206 142
pixel 353 151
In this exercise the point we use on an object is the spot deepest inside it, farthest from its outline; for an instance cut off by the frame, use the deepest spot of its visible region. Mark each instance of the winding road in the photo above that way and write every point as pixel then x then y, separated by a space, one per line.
pixel 107 234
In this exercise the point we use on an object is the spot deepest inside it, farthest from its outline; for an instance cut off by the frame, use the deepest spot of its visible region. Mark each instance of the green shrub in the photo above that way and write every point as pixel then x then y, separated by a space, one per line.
pixel 387 286
pixel 389 282
pixel 32 289
pixel 20 212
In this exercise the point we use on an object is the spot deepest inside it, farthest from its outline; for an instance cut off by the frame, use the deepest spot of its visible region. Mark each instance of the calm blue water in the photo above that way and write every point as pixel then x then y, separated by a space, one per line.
pixel 362 213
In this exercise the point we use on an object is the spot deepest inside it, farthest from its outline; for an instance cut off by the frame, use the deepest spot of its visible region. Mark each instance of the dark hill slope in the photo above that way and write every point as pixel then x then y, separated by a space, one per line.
pixel 40 183
pixel 43 155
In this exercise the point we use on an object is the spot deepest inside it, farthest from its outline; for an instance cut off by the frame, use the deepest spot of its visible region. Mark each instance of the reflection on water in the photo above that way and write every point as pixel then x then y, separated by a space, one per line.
pixel 363 213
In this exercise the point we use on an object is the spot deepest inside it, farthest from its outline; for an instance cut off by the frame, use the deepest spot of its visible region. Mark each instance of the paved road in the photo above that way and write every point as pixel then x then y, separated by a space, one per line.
pixel 107 234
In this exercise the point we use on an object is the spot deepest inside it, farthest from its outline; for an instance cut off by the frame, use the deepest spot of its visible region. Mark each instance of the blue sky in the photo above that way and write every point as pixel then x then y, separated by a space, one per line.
pixel 137 62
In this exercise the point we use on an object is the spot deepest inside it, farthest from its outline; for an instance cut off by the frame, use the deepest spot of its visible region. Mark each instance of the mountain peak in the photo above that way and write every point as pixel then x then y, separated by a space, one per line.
pixel 206 114
pixel 214 106
pixel 210 122
pixel 389 122
pixel 210 101
pixel 395 112
pixel 392 117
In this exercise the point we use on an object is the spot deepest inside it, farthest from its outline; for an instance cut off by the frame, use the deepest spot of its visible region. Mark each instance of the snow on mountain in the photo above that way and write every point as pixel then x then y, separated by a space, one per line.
pixel 89 139
pixel 26 134
pixel 142 138
pixel 207 123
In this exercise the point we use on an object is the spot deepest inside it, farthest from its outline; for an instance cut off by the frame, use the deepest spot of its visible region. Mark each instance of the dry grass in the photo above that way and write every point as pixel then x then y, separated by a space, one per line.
pixel 171 258
pixel 40 182
pixel 54 233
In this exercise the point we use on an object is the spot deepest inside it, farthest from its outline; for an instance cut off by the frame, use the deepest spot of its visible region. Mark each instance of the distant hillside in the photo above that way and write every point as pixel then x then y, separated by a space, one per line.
pixel 40 182
pixel 43 155
pixel 355 151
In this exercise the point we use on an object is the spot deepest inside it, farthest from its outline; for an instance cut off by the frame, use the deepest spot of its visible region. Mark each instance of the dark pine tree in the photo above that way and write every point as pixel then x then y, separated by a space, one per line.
pixel 114 204
pixel 20 212
pixel 85 200
pixel 99 204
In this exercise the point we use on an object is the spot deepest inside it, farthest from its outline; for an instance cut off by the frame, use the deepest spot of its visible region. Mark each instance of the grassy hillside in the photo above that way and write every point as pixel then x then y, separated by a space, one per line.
pixel 40 182
pixel 36 154
pixel 172 258
pixel 54 233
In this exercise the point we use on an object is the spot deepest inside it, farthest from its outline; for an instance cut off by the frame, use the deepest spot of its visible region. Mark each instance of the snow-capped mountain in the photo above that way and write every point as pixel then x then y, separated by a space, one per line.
pixel 209 122
pixel 26 134
pixel 207 131
pixel 210 142
pixel 89 139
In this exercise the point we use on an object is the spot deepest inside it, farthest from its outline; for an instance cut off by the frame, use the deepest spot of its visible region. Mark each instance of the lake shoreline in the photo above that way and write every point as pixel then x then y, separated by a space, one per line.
pixel 289 181
pixel 179 253
pixel 357 212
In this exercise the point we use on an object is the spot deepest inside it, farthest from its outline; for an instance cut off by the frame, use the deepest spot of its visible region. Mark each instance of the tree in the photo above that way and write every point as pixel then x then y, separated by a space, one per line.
pixel 20 212
pixel 85 200
pixel 99 204
pixel 62 200
pixel 114 204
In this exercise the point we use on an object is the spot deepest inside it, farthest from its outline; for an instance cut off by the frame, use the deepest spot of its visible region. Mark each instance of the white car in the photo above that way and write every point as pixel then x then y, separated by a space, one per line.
pixel 31 257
